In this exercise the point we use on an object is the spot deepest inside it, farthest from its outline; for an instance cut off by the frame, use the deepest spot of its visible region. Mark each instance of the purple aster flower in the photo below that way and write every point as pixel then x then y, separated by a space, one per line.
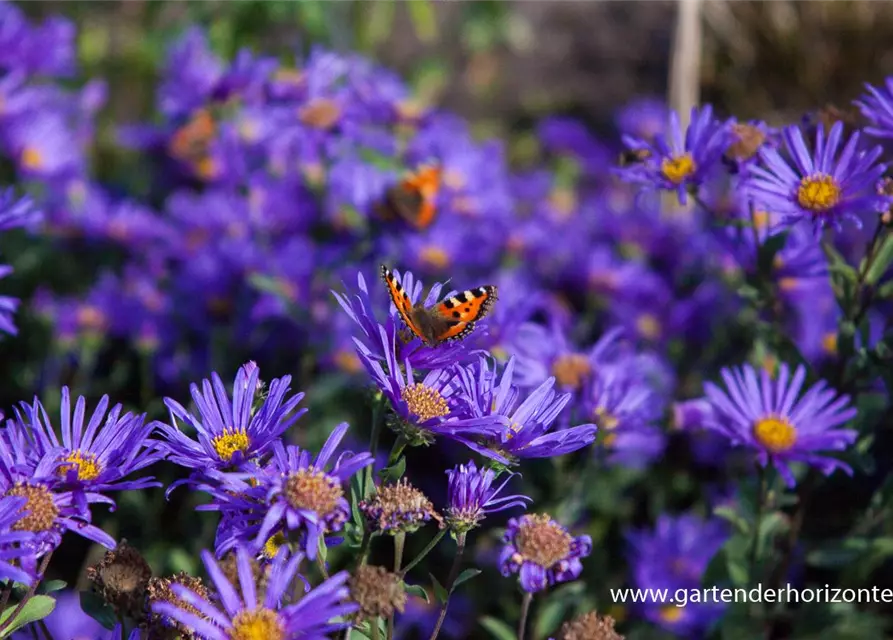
pixel 13 540
pixel 674 555
pixel 877 107
pixel 679 164
pixel 302 495
pixel 820 187
pixel 230 433
pixel 8 306
pixel 16 211
pixel 471 496
pixel 427 408
pixel 272 615
pixel 770 416
pixel 524 426
pixel 645 118
pixel 542 551
pixel 545 351
pixel 96 454
pixel 51 510
pixel 44 146
pixel 192 72
pixel 46 49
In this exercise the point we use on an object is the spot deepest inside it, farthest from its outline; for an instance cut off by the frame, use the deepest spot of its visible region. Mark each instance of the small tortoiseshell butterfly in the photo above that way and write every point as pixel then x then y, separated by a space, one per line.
pixel 413 198
pixel 452 319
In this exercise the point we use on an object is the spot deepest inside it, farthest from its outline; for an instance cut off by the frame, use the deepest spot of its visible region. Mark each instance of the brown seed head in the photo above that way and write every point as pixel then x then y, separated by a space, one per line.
pixel 121 578
pixel 589 626
pixel 543 541
pixel 313 490
pixel 377 591
pixel 159 590
pixel 399 507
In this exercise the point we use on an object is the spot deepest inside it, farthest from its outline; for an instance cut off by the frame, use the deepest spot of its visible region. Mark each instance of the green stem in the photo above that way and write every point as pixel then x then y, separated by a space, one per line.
pixel 373 626
pixel 454 572
pixel 754 547
pixel 378 405
pixel 426 550
pixel 364 547
pixel 44 563
pixel 399 543
pixel 397 451
pixel 525 609
pixel 322 566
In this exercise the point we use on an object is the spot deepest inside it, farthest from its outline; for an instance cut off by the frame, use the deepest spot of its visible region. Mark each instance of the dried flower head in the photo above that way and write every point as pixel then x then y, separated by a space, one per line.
pixel 377 591
pixel 589 626
pixel 399 507
pixel 159 590
pixel 121 578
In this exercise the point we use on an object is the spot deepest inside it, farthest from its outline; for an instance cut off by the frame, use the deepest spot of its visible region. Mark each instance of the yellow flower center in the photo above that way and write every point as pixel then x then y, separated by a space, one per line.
pixel 32 158
pixel 260 624
pixel 775 433
pixel 570 370
pixel 312 490
pixel 348 361
pixel 670 613
pixel 86 464
pixel 678 168
pixel 434 257
pixel 648 326
pixel 230 441
pixel 760 220
pixel 424 403
pixel 818 192
pixel 605 419
pixel 42 511
pixel 829 343
pixel 272 546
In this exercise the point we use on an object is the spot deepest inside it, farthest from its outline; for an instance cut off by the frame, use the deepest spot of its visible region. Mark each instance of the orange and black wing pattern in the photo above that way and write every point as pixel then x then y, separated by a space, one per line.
pixel 401 300
pixel 413 199
pixel 463 310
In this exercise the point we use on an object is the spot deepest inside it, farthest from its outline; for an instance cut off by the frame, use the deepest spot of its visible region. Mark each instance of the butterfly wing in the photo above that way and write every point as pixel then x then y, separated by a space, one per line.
pixel 413 199
pixel 401 300
pixel 460 312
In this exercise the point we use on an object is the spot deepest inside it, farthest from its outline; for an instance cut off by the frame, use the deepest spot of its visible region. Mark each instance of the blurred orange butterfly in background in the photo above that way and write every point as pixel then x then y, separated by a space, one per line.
pixel 451 319
pixel 413 198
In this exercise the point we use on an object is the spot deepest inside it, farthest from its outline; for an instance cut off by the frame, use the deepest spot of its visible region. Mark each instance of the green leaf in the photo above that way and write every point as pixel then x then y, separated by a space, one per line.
pixel 839 555
pixel 550 617
pixel 882 260
pixel 731 515
pixel 37 608
pixel 716 572
pixel 771 526
pixel 395 471
pixel 424 19
pixel 49 586
pixel 417 590
pixel 439 592
pixel 465 576
pixel 378 25
pixel 95 607
pixel 497 628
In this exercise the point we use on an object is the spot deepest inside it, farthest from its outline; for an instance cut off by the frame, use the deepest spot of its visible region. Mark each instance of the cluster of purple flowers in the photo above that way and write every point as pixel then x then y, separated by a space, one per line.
pixel 275 184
